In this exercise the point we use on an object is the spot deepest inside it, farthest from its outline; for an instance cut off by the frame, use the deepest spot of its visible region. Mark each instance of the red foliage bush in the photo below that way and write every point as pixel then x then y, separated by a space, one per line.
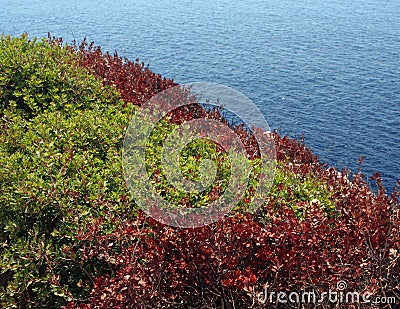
pixel 135 82
pixel 227 264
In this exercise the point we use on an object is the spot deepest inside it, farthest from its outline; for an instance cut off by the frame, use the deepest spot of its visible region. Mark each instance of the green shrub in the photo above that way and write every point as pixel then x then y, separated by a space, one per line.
pixel 60 169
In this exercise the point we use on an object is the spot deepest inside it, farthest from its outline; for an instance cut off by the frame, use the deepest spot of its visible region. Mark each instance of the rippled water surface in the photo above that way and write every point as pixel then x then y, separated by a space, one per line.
pixel 328 69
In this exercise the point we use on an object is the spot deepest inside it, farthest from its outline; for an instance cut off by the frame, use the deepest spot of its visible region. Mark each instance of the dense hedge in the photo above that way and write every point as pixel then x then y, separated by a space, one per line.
pixel 71 235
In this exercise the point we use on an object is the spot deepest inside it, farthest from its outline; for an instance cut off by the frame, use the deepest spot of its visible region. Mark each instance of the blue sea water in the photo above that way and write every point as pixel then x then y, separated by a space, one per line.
pixel 328 69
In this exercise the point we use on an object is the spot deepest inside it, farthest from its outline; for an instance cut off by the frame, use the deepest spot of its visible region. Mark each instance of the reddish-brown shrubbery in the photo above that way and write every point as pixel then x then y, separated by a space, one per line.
pixel 226 265
pixel 229 262
pixel 135 82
